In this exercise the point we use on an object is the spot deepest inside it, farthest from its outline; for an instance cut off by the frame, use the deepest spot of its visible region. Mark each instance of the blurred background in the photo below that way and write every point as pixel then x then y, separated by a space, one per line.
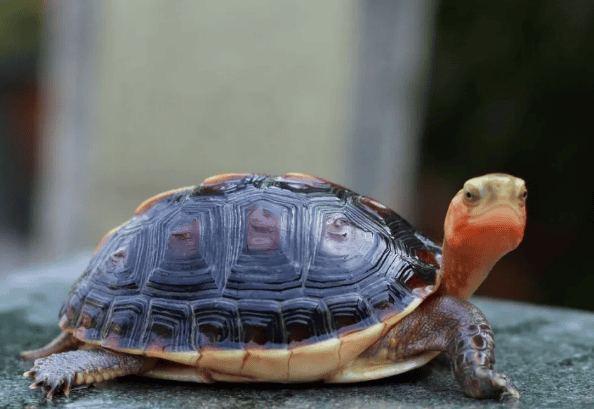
pixel 106 103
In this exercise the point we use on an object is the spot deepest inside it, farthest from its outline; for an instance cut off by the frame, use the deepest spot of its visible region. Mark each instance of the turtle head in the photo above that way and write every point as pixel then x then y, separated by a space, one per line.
pixel 485 221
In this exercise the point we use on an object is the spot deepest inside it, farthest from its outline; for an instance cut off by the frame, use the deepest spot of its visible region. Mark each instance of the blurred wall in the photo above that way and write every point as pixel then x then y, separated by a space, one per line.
pixel 392 66
pixel 191 89
pixel 141 97
pixel 144 97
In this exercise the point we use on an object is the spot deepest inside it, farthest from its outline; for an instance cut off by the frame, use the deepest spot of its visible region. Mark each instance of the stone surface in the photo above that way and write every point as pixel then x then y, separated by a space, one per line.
pixel 549 352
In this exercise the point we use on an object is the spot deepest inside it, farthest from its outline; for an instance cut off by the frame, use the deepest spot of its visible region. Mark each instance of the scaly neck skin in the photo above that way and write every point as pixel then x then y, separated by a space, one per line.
pixel 463 271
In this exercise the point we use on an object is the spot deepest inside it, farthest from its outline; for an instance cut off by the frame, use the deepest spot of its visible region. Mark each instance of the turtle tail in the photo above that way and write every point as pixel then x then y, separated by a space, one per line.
pixel 63 342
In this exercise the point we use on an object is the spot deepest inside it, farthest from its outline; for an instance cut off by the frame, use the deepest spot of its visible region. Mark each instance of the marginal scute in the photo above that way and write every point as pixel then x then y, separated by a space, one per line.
pixel 313 362
pixel 267 365
pixel 230 377
pixel 126 322
pixel 216 324
pixel 261 322
pixel 224 178
pixel 113 339
pixel 71 311
pixel 353 344
pixel 304 177
pixel 181 373
pixel 306 321
pixel 313 181
pixel 350 313
pixel 187 358
pixel 104 239
pixel 169 326
pixel 375 207
pixel 392 320
pixel 149 203
pixel 92 316
pixel 226 361
pixel 427 257
pixel 368 369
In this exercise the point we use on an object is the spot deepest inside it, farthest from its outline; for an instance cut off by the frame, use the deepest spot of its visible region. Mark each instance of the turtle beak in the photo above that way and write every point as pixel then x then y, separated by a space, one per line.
pixel 502 224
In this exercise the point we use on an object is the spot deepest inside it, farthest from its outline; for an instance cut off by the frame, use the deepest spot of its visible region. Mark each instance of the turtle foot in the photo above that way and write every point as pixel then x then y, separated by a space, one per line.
pixel 62 372
pixel 482 383
pixel 48 374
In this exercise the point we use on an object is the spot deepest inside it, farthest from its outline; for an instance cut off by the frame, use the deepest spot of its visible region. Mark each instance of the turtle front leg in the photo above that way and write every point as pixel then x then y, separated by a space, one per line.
pixel 457 327
pixel 63 371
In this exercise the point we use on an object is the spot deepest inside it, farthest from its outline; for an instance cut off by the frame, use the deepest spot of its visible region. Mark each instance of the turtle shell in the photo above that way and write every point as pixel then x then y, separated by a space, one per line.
pixel 280 268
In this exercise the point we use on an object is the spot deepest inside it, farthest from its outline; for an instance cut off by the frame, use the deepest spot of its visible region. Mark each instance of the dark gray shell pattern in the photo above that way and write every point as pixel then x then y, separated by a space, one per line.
pixel 250 260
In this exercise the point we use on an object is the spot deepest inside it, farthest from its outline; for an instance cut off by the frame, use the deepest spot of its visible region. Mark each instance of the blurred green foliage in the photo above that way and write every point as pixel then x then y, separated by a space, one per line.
pixel 19 26
pixel 20 44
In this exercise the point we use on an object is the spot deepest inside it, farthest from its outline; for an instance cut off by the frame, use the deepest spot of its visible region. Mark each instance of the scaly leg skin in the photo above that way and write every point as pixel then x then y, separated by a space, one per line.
pixel 457 327
pixel 63 342
pixel 64 371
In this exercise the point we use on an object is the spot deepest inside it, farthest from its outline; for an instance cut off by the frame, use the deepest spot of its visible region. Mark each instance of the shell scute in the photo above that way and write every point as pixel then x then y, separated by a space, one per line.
pixel 250 262
pixel 261 323
pixel 168 327
pixel 121 268
pixel 92 317
pixel 306 320
pixel 350 312
pixel 187 262
pixel 216 324
pixel 126 322
pixel 267 259
pixel 387 297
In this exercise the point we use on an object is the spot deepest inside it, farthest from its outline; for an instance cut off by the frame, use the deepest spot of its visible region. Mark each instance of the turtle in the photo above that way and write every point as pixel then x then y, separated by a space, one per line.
pixel 293 278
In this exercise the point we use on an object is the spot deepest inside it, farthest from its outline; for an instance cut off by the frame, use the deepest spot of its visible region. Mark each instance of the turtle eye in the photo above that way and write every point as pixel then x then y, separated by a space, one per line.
pixel 471 194
pixel 523 194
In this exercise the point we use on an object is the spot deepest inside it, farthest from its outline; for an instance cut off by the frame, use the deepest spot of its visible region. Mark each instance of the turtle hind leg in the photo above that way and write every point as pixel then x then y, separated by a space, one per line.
pixel 449 324
pixel 63 342
pixel 66 370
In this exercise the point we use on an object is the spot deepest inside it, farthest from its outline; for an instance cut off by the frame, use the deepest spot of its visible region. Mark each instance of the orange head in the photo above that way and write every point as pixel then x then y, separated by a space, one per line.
pixel 485 221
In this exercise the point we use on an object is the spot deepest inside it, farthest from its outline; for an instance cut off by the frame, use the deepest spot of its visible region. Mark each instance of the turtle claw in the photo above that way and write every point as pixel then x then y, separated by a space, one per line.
pixel 486 383
pixel 53 389
pixel 69 382
pixel 506 388
pixel 45 375
pixel 61 372
pixel 502 386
